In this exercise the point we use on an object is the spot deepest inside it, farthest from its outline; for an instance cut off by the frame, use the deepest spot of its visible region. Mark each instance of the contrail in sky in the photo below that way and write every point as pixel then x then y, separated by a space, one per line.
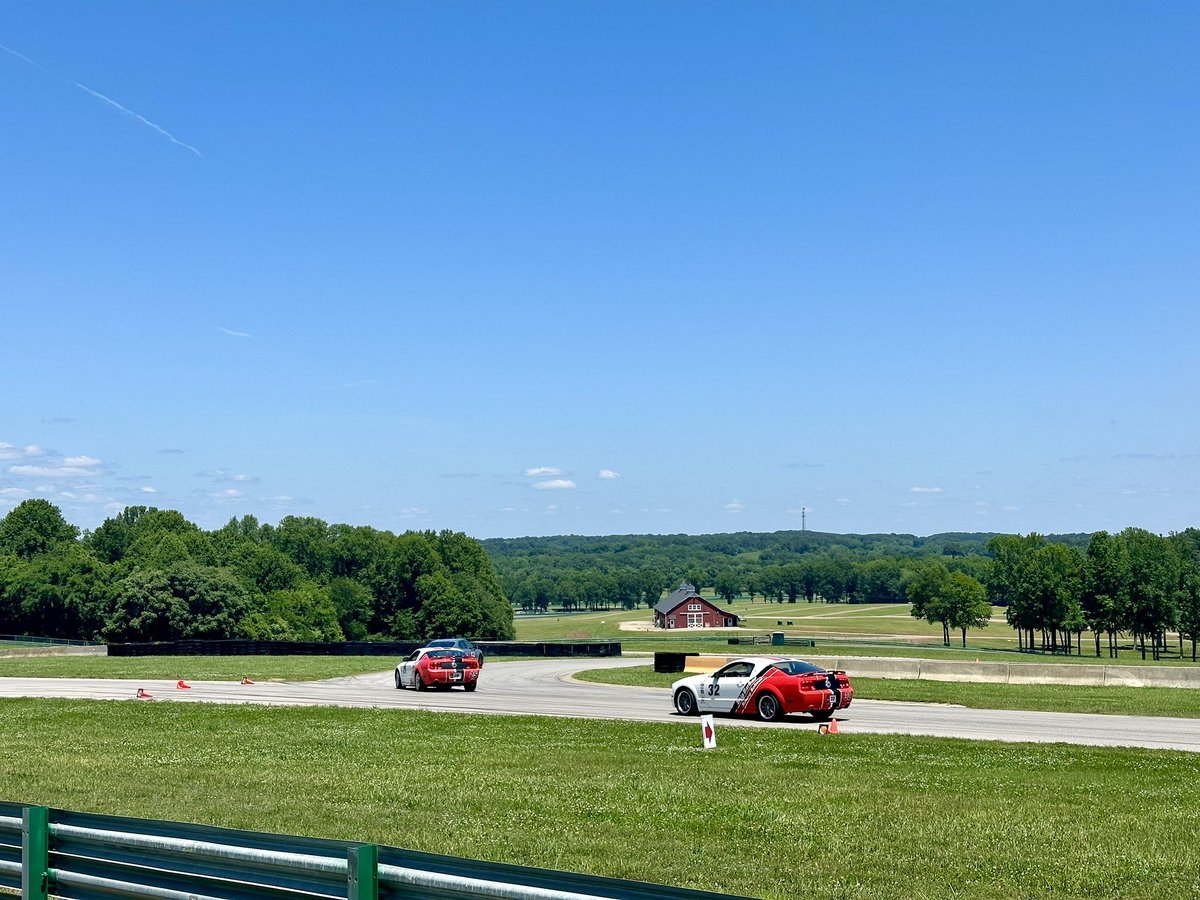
pixel 106 100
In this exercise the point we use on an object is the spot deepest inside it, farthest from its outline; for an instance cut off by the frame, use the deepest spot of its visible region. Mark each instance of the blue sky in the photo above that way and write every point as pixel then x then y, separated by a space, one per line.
pixel 602 268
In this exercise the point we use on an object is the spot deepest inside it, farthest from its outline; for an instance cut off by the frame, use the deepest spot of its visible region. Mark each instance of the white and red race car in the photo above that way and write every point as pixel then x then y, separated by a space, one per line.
pixel 437 667
pixel 769 687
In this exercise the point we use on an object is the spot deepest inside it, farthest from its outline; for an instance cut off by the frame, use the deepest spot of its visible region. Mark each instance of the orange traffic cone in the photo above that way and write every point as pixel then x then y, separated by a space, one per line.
pixel 182 685
pixel 247 681
pixel 143 694
pixel 833 726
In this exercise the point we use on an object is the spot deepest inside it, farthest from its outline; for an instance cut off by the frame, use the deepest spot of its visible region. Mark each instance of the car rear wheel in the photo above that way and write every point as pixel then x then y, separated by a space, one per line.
pixel 421 683
pixel 470 686
pixel 822 715
pixel 685 702
pixel 768 707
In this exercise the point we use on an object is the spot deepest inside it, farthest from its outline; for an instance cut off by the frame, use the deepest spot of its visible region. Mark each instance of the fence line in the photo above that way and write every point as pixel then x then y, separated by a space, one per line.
pixel 78 856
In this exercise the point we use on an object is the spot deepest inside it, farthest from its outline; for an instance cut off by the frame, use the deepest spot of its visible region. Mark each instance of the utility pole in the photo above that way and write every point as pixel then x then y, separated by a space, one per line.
pixel 803 515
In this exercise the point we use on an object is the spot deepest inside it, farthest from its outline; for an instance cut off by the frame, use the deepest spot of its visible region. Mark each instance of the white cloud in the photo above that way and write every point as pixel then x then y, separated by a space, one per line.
pixel 735 506
pixel 555 484
pixel 541 471
pixel 12 492
pixel 608 474
pixel 232 333
pixel 9 451
pixel 54 469
pixel 925 490
pixel 843 500
pixel 84 461
pixel 146 489
pixel 228 494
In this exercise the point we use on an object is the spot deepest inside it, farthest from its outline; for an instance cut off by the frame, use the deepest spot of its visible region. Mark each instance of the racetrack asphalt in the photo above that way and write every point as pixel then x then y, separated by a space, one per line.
pixel 545 687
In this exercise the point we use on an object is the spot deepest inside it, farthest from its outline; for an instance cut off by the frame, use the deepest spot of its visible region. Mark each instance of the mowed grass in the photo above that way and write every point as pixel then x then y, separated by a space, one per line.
pixel 195 668
pixel 769 813
pixel 1128 701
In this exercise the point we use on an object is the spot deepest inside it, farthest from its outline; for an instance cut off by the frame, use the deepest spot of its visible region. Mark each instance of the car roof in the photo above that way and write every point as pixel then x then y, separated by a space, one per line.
pixel 757 659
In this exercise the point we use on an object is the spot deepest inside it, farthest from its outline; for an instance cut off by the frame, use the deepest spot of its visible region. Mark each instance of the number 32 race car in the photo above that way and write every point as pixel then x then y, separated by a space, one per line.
pixel 765 686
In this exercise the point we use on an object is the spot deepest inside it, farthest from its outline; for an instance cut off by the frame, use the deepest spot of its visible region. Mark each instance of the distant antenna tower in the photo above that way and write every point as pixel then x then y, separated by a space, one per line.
pixel 803 516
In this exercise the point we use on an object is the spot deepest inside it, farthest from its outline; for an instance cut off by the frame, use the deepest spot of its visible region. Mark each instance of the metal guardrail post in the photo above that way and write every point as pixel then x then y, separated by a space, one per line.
pixel 362 875
pixel 35 853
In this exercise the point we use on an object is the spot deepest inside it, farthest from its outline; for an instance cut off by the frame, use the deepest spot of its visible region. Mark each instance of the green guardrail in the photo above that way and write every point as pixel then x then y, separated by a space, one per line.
pixel 80 856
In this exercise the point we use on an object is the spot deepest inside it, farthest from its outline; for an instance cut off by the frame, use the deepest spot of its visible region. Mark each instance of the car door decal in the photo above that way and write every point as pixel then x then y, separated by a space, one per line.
pixel 742 703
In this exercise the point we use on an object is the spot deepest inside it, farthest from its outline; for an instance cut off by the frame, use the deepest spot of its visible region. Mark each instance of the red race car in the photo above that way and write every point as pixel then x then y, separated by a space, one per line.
pixel 769 687
pixel 437 667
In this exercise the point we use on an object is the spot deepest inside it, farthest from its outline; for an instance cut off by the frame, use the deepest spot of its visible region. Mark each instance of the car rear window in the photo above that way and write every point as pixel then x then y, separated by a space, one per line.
pixel 797 667
pixel 442 654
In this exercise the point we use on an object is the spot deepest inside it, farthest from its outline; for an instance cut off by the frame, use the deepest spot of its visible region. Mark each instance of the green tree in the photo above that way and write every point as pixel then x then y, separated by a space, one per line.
pixel 353 602
pixel 445 611
pixel 966 603
pixel 727 584
pixel 189 601
pixel 1105 598
pixel 305 613
pixel 34 526
pixel 63 593
pixel 308 543
pixel 927 593
pixel 1058 586
pixel 1154 578
pixel 1189 605
pixel 1013 582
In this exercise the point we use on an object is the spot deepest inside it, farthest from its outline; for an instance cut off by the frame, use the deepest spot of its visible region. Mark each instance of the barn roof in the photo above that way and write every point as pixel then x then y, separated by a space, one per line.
pixel 681 594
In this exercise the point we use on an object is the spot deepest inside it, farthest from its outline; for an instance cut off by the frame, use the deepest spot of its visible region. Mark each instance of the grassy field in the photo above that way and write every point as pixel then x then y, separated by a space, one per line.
pixel 769 814
pixel 1128 701
pixel 844 629
pixel 195 668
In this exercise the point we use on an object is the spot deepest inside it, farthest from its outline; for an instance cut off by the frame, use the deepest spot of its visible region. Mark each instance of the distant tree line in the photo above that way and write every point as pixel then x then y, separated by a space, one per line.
pixel 149 574
pixel 1053 587
pixel 573 572
pixel 1135 582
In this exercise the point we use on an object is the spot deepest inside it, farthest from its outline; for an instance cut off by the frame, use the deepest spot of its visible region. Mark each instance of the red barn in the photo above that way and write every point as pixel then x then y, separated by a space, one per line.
pixel 685 608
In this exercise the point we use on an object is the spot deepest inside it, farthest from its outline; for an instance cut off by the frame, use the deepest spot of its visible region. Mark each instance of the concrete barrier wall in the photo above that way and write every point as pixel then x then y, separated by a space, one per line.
pixel 995 672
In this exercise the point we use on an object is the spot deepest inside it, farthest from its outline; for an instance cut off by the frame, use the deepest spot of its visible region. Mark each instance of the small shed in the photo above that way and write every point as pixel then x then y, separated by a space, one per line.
pixel 685 608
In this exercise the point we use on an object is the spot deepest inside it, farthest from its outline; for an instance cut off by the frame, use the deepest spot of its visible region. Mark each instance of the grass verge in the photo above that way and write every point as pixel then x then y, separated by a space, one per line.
pixel 769 814
pixel 195 668
pixel 1131 701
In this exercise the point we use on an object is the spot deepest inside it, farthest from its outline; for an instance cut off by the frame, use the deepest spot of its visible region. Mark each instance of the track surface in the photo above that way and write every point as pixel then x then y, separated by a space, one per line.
pixel 545 687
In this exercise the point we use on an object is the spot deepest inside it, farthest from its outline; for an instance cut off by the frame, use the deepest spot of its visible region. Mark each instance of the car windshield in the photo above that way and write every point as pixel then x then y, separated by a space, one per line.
pixel 443 642
pixel 443 654
pixel 797 667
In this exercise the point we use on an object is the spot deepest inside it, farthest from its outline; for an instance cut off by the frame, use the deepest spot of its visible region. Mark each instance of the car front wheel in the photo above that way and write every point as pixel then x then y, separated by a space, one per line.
pixel 398 684
pixel 685 702
pixel 768 707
